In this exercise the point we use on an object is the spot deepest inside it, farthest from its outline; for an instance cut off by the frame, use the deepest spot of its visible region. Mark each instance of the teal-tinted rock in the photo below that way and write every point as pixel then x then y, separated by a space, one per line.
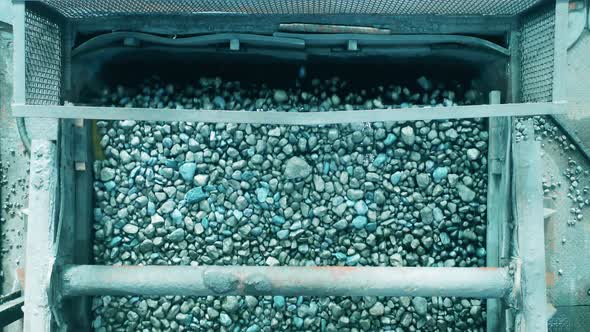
pixel 176 236
pixel 195 195
pixel 151 208
pixel 326 168
pixel 176 216
pixel 380 160
pixel 283 234
pixel 261 194
pixel 390 139
pixel 340 224
pixel 298 322
pixel 247 175
pixel 278 220
pixel 224 319
pixel 256 231
pixel 278 302
pixel 252 328
pixel 439 174
pixel 396 177
pixel 359 222
pixel 361 208
pixel 339 256
pixel 110 185
pixel 219 102
pixel 115 241
pixel 353 260
pixel 187 171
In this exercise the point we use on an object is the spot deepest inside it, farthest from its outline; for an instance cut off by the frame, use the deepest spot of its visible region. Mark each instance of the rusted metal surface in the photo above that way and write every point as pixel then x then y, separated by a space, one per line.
pixel 288 281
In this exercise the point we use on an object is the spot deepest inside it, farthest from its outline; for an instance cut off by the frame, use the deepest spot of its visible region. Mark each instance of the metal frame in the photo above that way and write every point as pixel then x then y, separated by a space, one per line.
pixel 48 287
pixel 11 308
pixel 288 118
pixel 285 280
pixel 530 229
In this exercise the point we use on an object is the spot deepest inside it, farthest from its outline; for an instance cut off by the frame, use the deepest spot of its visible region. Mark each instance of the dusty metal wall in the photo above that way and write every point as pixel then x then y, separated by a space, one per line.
pixel 44 58
pixel 82 9
pixel 536 44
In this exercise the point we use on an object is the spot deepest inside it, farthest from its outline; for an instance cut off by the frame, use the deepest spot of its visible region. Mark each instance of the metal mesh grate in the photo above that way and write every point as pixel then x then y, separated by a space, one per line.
pixel 537 56
pixel 43 58
pixel 83 8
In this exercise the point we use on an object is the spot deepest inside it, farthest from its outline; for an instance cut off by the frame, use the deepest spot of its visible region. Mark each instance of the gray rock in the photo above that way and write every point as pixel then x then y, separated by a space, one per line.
pixel 157 220
pixel 241 203
pixel 473 154
pixel 187 171
pixel 297 168
pixel 340 224
pixel 107 174
pixel 230 304
pixel 377 309
pixel 176 236
pixel 280 96
pixel 167 207
pixel 199 229
pixel 201 179
pixel 130 229
pixel 355 194
pixel 359 222
pixel 467 195
pixel 420 305
pixel 224 319
pixel 423 180
pixel 271 261
pixel 408 136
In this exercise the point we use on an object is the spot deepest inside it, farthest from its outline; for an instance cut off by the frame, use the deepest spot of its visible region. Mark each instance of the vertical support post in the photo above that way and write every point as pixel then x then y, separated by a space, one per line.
pixel 528 197
pixel 18 49
pixel 80 307
pixel 560 50
pixel 498 201
pixel 514 68
pixel 40 253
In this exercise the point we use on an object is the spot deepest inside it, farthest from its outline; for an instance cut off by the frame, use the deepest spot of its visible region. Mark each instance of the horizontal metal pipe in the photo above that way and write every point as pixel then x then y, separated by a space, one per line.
pixel 289 281
pixel 392 40
pixel 212 39
pixel 287 118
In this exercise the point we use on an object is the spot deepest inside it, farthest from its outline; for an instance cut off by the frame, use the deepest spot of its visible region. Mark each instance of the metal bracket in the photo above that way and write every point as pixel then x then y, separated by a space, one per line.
pixel 234 44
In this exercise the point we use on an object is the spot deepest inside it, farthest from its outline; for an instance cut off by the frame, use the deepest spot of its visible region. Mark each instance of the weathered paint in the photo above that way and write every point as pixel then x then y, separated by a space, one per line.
pixel 528 208
pixel 40 251
pixel 289 281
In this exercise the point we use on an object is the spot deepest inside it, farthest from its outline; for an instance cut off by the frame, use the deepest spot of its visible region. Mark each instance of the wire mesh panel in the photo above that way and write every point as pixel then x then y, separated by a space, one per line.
pixel 537 35
pixel 43 56
pixel 81 8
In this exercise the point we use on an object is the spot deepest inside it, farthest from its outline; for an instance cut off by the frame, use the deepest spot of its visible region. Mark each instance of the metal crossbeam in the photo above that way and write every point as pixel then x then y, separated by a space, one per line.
pixel 285 280
pixel 287 118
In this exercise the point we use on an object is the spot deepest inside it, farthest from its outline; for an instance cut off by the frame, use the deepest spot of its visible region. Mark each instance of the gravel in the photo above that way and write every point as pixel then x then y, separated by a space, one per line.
pixel 380 194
